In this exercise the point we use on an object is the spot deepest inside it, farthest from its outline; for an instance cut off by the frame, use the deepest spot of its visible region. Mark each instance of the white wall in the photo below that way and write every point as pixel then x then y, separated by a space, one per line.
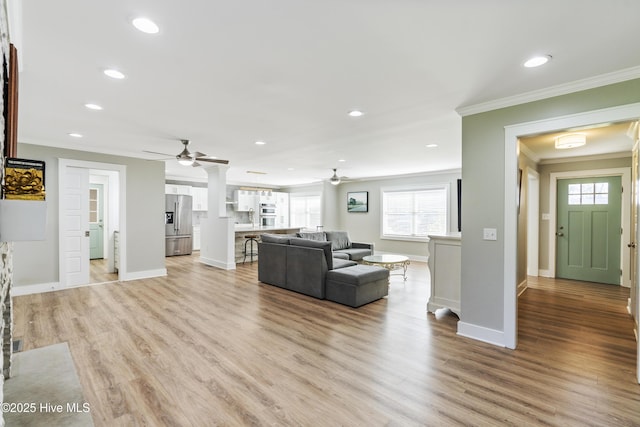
pixel 366 227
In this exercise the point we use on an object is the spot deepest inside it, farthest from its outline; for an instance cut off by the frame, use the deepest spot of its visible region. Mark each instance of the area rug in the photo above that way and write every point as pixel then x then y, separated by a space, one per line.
pixel 44 390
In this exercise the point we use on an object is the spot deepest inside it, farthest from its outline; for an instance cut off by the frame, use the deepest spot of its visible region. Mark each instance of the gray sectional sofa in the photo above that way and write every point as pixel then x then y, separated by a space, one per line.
pixel 341 244
pixel 309 267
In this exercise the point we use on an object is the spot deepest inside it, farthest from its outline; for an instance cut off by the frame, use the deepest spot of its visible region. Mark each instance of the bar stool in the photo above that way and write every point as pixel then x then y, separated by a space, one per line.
pixel 250 238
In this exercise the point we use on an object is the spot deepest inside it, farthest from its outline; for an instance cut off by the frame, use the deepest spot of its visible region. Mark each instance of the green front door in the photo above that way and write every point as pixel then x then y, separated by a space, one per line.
pixel 96 222
pixel 588 233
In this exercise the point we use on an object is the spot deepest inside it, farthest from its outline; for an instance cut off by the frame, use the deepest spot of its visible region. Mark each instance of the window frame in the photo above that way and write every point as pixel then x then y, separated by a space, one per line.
pixel 305 195
pixel 446 186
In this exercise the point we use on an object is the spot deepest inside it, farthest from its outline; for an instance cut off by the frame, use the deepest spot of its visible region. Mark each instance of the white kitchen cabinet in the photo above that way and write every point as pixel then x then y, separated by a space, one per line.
pixel 282 209
pixel 200 198
pixel 266 197
pixel 245 200
pixel 177 189
pixel 195 238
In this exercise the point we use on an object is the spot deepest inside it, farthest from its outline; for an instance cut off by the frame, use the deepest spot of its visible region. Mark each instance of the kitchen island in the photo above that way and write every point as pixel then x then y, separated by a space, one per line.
pixel 242 231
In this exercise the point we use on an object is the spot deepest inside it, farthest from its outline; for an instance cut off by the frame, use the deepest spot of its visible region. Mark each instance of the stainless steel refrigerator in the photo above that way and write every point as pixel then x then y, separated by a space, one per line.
pixel 177 224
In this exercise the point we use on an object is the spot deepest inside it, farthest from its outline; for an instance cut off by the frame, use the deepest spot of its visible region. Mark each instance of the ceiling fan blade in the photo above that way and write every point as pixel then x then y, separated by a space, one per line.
pixel 204 159
pixel 196 164
pixel 155 152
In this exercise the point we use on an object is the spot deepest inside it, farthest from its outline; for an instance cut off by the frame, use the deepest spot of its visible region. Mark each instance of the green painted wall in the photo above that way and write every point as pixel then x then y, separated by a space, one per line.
pixel 482 293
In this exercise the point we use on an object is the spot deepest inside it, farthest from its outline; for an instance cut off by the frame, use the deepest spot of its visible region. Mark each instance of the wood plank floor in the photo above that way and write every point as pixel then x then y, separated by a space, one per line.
pixel 206 347
pixel 99 272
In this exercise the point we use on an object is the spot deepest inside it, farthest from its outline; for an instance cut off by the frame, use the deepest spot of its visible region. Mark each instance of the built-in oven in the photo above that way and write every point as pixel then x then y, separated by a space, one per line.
pixel 267 209
pixel 268 221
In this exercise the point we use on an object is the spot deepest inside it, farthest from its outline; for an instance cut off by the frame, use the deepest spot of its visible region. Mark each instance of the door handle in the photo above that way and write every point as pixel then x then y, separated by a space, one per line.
pixel 86 234
pixel 560 233
pixel 631 245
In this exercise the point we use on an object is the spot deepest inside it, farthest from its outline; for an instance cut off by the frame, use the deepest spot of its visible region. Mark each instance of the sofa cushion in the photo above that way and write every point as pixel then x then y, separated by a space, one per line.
pixel 357 285
pixel 341 255
pixel 317 236
pixel 275 238
pixel 338 239
pixel 355 254
pixel 342 263
pixel 325 246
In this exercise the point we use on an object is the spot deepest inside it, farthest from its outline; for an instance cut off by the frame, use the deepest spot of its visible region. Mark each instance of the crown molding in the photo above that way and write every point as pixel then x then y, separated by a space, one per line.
pixel 530 154
pixel 563 89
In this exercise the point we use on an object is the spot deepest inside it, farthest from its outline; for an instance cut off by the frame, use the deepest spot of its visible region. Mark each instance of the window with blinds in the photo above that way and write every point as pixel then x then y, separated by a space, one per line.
pixel 415 213
pixel 304 210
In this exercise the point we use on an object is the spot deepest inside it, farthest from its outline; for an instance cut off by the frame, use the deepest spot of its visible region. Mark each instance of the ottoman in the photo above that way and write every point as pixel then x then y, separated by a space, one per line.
pixel 357 285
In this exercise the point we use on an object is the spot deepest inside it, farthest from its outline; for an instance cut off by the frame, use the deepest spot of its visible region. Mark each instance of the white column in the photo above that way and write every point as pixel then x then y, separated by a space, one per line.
pixel 217 234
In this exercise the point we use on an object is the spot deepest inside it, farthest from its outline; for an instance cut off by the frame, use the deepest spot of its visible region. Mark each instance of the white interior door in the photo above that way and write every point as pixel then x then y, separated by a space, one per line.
pixel 74 221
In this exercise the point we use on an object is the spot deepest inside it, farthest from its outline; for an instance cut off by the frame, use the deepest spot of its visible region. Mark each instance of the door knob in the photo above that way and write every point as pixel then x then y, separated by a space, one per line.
pixel 631 245
pixel 559 233
pixel 86 234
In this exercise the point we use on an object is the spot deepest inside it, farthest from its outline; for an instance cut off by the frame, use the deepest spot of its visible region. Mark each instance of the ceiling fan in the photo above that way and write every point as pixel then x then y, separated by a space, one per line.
pixel 335 179
pixel 186 158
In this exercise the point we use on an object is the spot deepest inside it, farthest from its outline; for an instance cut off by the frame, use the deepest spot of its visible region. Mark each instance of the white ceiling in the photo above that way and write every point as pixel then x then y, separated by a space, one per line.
pixel 225 74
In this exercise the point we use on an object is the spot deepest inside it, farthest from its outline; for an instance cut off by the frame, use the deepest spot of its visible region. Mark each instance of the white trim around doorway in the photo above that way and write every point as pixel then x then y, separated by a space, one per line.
pixel 512 133
pixel 122 209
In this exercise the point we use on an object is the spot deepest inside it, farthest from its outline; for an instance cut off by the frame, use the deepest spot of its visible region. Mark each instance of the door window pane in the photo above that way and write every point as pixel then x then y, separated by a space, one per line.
pixel 589 193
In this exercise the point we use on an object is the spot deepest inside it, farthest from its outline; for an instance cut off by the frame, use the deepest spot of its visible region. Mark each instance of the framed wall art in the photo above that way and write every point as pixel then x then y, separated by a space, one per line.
pixel 358 201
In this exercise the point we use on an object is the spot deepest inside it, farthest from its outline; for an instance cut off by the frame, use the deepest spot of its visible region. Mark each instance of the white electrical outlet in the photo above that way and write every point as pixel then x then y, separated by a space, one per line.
pixel 490 234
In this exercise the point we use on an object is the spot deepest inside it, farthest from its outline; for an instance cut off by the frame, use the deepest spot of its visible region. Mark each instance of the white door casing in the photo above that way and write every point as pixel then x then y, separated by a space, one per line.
pixel 120 185
pixel 512 133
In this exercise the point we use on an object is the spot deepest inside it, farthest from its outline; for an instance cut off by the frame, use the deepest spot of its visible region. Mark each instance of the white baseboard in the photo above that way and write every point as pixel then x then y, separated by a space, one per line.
pixel 480 333
pixel 218 264
pixel 38 288
pixel 545 273
pixel 145 274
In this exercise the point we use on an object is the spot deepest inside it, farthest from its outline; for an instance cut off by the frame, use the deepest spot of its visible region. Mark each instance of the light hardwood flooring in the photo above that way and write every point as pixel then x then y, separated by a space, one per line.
pixel 99 273
pixel 206 347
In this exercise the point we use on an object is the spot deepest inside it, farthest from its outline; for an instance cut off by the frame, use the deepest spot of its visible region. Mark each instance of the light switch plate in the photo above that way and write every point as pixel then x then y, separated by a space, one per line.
pixel 546 217
pixel 490 234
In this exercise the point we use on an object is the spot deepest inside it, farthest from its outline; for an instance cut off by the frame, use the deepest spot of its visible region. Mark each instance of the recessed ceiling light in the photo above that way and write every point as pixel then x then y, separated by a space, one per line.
pixel 341 160
pixel 93 106
pixel 260 143
pixel 75 135
pixel 114 74
pixel 356 113
pixel 431 145
pixel 290 169
pixel 537 61
pixel 145 25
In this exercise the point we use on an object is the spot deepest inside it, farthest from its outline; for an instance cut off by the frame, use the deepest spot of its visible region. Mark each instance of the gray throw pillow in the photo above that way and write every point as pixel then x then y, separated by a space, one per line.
pixel 339 239
pixel 317 236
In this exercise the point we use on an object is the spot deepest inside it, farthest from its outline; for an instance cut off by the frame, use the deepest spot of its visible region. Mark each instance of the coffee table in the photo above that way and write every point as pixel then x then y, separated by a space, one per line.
pixel 390 262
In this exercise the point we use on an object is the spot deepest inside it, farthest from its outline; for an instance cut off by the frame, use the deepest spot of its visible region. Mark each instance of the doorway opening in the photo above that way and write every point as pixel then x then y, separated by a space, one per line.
pixel 513 133
pixel 103 224
pixel 92 222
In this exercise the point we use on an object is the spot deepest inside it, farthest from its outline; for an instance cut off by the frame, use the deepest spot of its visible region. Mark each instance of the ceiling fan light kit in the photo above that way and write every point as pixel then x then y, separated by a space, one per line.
pixel 335 179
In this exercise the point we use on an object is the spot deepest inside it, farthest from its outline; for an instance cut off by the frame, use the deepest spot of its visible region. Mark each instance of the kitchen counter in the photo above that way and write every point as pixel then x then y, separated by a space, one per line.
pixel 242 231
